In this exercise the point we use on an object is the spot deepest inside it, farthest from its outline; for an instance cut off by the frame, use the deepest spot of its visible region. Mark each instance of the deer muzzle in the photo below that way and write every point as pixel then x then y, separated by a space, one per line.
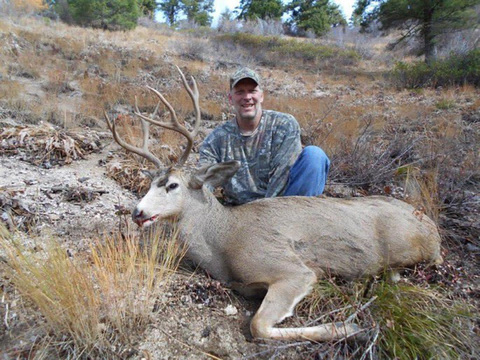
pixel 140 218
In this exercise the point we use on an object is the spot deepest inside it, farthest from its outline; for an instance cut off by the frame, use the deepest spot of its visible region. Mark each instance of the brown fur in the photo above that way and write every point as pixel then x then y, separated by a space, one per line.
pixel 281 246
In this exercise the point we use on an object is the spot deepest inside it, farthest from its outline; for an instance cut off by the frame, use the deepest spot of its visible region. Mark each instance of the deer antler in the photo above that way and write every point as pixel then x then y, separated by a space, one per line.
pixel 173 124
pixel 143 151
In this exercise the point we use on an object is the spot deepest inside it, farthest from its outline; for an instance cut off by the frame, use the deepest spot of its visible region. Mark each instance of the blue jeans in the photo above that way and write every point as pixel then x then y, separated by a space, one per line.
pixel 308 174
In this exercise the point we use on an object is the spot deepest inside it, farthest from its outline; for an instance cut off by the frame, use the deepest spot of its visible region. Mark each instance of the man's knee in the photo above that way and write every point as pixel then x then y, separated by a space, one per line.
pixel 309 173
pixel 316 155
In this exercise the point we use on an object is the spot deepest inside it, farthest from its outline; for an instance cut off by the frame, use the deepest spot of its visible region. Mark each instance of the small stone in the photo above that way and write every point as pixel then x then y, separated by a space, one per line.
pixel 472 248
pixel 230 310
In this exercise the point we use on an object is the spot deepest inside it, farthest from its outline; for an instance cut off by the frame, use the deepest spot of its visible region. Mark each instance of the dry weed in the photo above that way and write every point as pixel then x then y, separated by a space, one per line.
pixel 10 89
pixel 192 48
pixel 15 214
pixel 95 307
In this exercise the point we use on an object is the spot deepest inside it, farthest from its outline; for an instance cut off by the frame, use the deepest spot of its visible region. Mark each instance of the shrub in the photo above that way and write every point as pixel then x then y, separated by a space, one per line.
pixel 445 104
pixel 411 75
pixel 457 69
pixel 111 15
pixel 276 51
pixel 265 27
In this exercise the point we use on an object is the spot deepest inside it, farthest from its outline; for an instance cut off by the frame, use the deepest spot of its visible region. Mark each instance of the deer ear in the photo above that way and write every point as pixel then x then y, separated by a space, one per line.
pixel 150 174
pixel 214 174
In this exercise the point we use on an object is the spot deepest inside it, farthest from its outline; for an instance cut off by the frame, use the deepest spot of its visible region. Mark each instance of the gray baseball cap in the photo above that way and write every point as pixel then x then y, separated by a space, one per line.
pixel 244 73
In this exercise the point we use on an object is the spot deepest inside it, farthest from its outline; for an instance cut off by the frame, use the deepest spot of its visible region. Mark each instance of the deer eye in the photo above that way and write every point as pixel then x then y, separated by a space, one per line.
pixel 172 186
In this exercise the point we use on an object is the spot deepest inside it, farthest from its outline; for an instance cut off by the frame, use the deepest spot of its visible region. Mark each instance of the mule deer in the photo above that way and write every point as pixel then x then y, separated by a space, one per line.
pixel 278 247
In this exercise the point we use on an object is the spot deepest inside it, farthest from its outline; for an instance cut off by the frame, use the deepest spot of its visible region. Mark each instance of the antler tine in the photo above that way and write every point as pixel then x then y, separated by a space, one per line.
pixel 195 96
pixel 144 152
pixel 173 124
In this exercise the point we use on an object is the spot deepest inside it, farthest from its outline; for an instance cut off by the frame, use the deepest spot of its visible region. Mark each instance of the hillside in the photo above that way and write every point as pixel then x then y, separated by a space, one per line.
pixel 63 178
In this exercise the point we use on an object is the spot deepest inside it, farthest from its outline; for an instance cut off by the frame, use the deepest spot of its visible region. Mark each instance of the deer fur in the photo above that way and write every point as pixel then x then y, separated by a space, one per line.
pixel 281 246
pixel 277 247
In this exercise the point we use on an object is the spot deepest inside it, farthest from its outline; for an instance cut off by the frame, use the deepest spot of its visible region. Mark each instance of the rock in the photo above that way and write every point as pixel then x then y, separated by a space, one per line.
pixel 230 310
pixel 472 248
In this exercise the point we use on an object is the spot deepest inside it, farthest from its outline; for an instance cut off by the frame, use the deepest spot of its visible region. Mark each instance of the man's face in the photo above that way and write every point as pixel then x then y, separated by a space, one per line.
pixel 246 98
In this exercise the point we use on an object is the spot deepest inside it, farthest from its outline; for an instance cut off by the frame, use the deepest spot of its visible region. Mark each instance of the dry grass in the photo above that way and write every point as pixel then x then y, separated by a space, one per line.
pixel 404 321
pixel 94 307
pixel 10 89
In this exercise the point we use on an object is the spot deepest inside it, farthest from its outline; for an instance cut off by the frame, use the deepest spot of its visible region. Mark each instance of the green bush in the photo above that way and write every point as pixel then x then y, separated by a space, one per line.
pixel 272 50
pixel 457 69
pixel 100 14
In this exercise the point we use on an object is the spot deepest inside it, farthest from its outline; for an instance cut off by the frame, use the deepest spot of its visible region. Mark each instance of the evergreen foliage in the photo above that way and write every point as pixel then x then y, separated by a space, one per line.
pixel 422 19
pixel 148 7
pixel 262 9
pixel 314 15
pixel 198 11
pixel 457 69
pixel 103 14
pixel 170 9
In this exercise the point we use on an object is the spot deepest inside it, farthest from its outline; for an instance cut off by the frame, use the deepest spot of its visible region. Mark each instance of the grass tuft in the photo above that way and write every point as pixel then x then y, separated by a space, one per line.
pixel 275 51
pixel 94 307
pixel 420 323
pixel 403 321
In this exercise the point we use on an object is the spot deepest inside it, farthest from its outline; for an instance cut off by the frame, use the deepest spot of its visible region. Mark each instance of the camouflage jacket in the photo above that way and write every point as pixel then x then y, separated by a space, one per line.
pixel 265 156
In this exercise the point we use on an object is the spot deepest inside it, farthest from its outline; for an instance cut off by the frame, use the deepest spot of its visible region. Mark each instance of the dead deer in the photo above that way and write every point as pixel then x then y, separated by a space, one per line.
pixel 278 247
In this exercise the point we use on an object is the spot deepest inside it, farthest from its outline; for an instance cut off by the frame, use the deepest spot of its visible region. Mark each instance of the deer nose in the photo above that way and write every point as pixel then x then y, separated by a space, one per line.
pixel 137 216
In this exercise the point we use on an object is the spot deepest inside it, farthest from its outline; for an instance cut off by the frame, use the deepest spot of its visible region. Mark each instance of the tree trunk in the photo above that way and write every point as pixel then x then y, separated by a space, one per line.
pixel 428 35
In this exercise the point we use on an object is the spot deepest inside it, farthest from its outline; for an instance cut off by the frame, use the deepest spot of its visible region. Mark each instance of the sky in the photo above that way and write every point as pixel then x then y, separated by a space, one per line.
pixel 220 5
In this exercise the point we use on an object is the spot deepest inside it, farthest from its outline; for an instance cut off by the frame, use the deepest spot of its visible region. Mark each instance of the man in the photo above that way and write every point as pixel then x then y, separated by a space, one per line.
pixel 267 144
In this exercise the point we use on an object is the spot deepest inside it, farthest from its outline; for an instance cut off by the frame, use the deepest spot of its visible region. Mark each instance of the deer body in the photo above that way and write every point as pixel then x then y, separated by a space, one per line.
pixel 351 238
pixel 288 243
pixel 278 247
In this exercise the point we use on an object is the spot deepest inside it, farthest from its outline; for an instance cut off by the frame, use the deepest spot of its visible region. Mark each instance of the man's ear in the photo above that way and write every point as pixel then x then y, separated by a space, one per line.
pixel 214 174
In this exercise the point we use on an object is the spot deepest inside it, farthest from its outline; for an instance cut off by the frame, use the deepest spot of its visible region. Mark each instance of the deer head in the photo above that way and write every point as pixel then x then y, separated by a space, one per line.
pixel 171 188
pixel 170 185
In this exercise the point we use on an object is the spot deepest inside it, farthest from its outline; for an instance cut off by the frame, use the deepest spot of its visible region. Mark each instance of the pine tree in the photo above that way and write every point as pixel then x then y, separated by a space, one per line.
pixel 147 7
pixel 104 14
pixel 198 11
pixel 262 9
pixel 314 15
pixel 171 9
pixel 422 19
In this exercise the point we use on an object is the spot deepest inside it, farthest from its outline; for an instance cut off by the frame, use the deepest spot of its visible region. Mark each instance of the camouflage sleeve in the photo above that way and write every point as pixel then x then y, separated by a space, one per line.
pixel 286 148
pixel 208 151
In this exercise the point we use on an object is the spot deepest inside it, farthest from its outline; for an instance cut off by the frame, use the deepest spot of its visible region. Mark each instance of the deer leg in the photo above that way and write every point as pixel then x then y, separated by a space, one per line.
pixel 281 299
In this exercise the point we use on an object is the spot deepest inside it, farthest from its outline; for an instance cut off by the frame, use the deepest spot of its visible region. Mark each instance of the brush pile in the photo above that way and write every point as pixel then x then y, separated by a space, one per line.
pixel 45 146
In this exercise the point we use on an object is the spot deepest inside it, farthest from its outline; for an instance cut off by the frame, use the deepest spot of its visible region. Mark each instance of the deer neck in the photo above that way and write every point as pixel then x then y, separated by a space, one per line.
pixel 203 227
pixel 202 211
